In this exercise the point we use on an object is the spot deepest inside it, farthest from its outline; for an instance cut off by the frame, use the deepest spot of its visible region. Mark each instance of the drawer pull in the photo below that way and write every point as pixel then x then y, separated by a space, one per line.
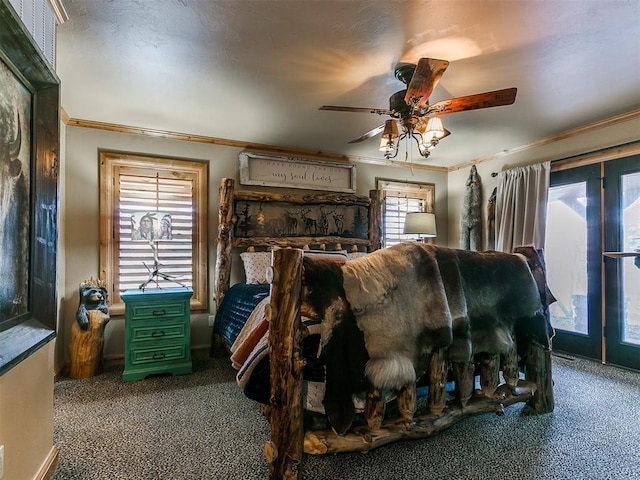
pixel 158 356
pixel 158 334
pixel 157 313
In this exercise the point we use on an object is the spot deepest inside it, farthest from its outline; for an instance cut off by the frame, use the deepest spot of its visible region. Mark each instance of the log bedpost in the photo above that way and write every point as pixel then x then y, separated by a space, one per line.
pixel 375 220
pixel 284 452
pixel 538 370
pixel 223 247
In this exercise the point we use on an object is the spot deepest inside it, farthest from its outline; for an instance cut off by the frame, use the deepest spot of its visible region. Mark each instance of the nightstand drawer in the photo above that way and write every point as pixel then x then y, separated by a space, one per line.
pixel 144 312
pixel 141 333
pixel 150 355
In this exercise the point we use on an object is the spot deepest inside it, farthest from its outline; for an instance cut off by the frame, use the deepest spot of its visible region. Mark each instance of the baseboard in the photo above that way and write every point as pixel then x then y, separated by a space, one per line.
pixel 49 466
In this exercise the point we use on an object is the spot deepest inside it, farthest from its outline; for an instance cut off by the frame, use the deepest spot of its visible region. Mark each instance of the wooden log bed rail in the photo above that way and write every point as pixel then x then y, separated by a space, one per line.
pixel 289 442
pixel 284 452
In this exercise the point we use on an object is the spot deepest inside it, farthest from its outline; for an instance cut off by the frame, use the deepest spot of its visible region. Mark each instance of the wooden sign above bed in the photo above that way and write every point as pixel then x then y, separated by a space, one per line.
pixel 289 172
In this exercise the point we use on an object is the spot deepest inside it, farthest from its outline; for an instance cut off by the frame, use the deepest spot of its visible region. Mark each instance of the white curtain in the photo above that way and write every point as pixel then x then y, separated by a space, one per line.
pixel 521 206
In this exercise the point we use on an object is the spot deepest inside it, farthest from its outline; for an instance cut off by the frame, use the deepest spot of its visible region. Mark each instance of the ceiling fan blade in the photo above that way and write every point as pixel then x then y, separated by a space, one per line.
pixel 371 133
pixel 425 78
pixel 337 108
pixel 496 98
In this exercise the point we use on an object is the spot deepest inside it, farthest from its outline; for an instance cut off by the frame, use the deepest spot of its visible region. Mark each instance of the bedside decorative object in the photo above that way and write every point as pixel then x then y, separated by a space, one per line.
pixel 157 332
pixel 422 224
pixel 87 332
pixel 152 227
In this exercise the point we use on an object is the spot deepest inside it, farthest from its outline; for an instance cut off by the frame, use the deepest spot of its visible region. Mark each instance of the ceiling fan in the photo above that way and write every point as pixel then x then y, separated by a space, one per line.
pixel 410 108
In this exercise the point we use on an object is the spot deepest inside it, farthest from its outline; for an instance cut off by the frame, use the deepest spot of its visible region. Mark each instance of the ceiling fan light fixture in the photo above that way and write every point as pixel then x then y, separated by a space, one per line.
pixel 390 130
pixel 387 146
pixel 388 138
pixel 418 119
pixel 435 128
pixel 434 131
pixel 424 148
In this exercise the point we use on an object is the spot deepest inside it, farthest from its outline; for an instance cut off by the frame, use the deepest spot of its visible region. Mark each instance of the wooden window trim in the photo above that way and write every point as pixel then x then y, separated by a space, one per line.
pixel 110 163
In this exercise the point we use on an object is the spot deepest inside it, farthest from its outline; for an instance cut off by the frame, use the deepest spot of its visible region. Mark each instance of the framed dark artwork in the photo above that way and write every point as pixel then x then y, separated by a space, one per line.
pixel 29 149
pixel 15 185
pixel 282 219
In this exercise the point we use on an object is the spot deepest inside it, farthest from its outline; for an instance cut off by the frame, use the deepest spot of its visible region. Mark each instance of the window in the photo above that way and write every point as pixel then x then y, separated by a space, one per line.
pixel 157 188
pixel 399 198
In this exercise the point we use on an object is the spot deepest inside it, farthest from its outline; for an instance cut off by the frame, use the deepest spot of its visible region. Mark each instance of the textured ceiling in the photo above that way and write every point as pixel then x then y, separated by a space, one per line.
pixel 257 71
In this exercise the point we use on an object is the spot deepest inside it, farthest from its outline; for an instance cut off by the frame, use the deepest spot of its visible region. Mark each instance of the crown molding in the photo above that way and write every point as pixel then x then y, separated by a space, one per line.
pixel 588 128
pixel 319 155
pixel 156 133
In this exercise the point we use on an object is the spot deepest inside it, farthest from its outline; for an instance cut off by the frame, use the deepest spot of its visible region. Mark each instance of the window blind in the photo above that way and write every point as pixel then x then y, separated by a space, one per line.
pixel 396 209
pixel 401 198
pixel 154 193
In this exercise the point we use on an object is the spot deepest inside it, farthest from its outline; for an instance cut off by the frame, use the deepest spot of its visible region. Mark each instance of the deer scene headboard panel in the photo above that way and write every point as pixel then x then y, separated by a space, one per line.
pixel 326 221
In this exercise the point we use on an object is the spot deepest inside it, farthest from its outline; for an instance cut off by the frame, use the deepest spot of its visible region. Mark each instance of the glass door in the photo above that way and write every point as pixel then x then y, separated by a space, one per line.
pixel 622 266
pixel 592 237
pixel 573 260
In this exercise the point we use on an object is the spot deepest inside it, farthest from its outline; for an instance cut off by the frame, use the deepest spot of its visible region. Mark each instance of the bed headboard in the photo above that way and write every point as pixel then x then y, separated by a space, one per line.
pixel 331 221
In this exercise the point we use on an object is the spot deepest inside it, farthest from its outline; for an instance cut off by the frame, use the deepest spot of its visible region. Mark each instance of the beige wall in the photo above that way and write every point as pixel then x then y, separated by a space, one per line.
pixel 79 215
pixel 26 415
pixel 79 203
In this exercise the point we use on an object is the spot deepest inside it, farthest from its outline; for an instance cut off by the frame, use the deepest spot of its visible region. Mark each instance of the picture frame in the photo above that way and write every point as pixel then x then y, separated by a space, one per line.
pixel 35 324
pixel 290 220
pixel 289 172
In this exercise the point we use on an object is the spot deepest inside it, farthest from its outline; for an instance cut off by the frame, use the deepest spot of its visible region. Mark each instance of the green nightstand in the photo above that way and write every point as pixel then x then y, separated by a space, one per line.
pixel 157 332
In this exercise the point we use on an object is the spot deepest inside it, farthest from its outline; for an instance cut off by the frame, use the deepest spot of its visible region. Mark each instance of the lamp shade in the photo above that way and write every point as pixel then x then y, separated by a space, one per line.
pixel 434 128
pixel 420 223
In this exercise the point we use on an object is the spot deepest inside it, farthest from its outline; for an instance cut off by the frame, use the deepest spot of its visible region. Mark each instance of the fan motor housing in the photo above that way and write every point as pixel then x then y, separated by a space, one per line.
pixel 404 72
pixel 397 103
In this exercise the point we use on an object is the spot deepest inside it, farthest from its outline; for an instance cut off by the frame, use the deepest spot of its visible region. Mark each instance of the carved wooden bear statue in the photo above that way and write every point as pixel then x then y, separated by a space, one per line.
pixel 87 332
pixel 92 297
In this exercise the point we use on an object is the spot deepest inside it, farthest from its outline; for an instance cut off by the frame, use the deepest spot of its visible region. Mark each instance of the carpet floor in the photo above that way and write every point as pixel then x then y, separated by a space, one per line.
pixel 201 426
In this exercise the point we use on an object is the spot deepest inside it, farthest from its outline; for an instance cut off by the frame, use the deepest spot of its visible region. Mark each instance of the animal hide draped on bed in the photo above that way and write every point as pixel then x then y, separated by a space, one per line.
pixel 471 215
pixel 385 314
pixel 342 344
pixel 399 302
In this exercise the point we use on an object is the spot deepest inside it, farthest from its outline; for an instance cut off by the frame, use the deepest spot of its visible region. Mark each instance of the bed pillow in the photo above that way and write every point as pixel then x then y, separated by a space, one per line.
pixel 255 266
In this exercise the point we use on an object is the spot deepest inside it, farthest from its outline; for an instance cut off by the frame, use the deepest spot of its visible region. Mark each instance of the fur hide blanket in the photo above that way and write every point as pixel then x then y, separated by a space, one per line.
pixel 399 303
pixel 383 315
pixel 471 215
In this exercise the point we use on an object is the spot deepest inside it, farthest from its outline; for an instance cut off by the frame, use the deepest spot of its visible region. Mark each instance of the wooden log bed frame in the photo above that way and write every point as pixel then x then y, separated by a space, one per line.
pixel 289 441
